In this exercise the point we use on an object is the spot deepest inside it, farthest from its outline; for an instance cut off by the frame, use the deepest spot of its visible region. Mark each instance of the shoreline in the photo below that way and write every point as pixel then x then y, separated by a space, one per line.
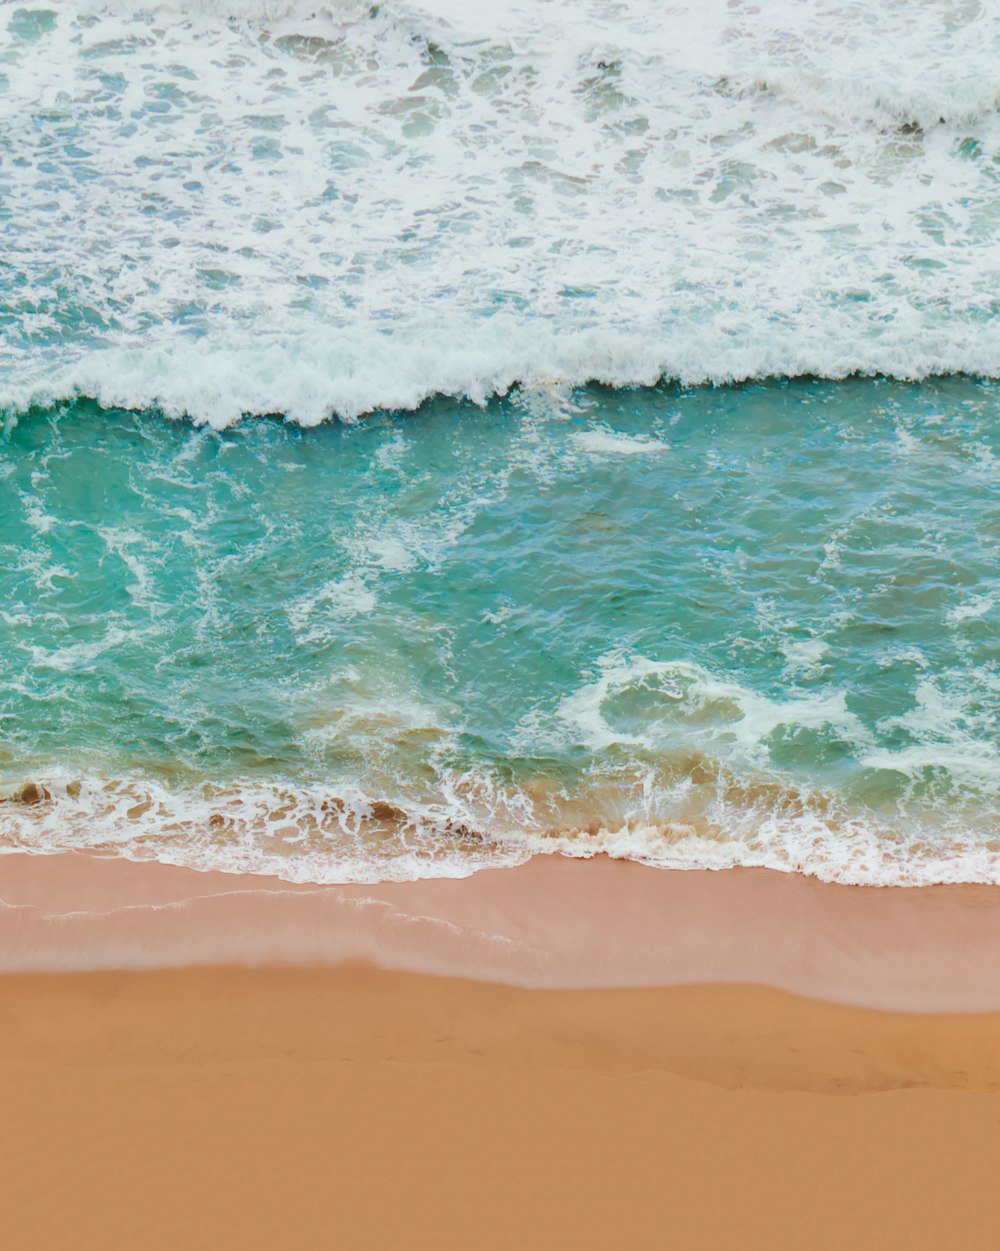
pixel 551 923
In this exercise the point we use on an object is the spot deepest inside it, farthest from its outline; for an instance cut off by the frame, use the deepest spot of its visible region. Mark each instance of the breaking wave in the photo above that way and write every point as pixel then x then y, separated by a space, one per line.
pixel 225 207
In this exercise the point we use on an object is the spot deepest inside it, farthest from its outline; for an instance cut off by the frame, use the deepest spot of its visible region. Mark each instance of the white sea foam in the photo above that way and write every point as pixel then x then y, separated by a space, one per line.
pixel 804 657
pixel 698 709
pixel 315 833
pixel 604 442
pixel 977 607
pixel 947 737
pixel 229 206
pixel 340 599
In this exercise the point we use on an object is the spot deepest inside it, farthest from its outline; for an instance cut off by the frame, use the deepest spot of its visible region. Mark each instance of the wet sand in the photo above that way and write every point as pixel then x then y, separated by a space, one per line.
pixel 550 923
pixel 320 1102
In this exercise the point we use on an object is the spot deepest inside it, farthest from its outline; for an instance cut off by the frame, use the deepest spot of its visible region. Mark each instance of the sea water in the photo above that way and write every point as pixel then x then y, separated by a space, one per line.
pixel 751 625
pixel 440 433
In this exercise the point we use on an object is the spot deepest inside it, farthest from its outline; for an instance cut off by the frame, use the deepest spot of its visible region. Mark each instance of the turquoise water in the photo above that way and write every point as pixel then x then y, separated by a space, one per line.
pixel 752 625
pixel 271 600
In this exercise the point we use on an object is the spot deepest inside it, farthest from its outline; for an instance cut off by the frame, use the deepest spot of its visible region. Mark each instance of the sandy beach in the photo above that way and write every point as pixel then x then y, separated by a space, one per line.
pixel 233 1108
pixel 499 605
pixel 316 1101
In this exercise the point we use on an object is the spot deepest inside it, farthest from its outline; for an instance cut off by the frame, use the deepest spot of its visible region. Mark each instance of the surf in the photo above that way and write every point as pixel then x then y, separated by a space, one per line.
pixel 322 211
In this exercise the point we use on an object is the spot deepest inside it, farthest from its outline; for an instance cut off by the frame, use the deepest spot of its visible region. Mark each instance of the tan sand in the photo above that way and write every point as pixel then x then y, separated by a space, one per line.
pixel 313 1102
pixel 218 1109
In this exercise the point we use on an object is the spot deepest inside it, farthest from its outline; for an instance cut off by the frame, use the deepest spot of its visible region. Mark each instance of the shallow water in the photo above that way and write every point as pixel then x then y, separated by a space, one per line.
pixel 695 625
pixel 751 625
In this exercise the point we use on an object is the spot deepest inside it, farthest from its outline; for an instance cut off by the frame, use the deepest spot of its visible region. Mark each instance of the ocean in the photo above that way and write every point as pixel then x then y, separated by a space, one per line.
pixel 437 434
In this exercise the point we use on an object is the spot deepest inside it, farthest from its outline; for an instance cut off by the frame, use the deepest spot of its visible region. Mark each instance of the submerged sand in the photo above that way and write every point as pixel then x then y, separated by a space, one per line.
pixel 320 1101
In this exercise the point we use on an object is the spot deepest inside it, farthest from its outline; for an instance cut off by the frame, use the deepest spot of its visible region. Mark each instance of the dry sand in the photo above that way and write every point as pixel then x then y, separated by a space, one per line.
pixel 212 1109
pixel 347 1106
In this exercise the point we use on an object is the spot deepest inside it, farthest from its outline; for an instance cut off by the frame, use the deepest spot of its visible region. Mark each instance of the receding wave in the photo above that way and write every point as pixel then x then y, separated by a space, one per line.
pixel 230 207
pixel 314 834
